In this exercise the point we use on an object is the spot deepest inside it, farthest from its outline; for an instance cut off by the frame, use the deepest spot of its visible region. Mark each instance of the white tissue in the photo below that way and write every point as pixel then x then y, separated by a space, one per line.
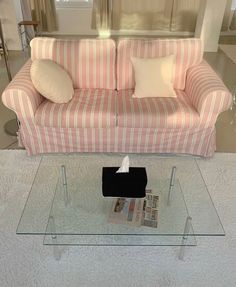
pixel 125 165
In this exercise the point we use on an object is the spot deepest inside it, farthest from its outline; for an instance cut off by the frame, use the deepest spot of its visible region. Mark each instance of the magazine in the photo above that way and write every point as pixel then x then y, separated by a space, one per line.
pixel 127 211
pixel 150 209
pixel 136 211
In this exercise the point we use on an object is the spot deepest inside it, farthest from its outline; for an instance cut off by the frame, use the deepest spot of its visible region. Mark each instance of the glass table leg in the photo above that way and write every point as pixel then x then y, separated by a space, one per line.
pixel 64 182
pixel 172 182
pixel 185 237
pixel 56 251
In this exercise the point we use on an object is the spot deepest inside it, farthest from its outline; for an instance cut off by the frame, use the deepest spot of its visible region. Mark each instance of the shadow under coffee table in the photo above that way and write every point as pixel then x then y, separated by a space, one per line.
pixel 66 205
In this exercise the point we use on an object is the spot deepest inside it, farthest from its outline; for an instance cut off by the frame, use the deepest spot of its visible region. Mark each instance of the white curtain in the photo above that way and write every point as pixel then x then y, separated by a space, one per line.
pixel 184 15
pixel 26 13
pixel 43 11
pixel 233 21
pixel 229 21
pixel 141 15
pixel 101 14
pixel 169 15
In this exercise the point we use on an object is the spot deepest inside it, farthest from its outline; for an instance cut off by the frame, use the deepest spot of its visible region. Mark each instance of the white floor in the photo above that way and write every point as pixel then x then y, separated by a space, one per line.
pixel 226 122
pixel 229 50
pixel 25 262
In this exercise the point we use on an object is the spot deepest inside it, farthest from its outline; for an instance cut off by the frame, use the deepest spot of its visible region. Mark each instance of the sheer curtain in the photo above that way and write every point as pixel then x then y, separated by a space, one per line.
pixel 184 15
pixel 26 13
pixel 43 11
pixel 168 15
pixel 229 21
pixel 233 21
pixel 101 14
pixel 141 15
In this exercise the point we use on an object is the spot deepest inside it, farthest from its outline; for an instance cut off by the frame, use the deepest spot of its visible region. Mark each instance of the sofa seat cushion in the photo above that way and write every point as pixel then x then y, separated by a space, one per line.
pixel 156 112
pixel 87 109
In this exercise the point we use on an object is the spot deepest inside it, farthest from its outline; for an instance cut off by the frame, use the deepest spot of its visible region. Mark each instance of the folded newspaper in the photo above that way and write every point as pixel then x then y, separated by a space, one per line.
pixel 136 211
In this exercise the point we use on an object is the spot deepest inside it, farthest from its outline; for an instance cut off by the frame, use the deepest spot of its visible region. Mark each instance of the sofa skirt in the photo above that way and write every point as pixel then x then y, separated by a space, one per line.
pixel 38 140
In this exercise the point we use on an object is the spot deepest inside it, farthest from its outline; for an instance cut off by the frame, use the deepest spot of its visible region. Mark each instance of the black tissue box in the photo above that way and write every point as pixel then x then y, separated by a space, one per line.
pixel 130 184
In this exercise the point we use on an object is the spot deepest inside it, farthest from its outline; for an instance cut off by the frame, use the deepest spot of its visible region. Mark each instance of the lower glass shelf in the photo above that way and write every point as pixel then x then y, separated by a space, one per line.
pixel 119 240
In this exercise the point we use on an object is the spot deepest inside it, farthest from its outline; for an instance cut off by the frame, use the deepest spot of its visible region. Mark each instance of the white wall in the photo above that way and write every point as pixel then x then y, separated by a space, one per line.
pixel 209 23
pixel 9 23
pixel 74 21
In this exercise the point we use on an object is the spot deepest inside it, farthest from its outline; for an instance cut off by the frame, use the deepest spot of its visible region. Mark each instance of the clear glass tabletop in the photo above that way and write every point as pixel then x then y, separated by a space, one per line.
pixel 80 216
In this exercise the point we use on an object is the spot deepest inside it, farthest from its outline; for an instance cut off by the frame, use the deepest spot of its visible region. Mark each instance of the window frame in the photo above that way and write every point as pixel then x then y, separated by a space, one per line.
pixel 74 4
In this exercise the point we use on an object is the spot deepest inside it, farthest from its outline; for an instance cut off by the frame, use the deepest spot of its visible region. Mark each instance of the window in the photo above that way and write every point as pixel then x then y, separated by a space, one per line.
pixel 233 4
pixel 73 3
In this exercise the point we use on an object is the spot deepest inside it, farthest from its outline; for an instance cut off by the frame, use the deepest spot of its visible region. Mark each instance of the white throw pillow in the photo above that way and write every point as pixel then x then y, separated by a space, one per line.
pixel 51 81
pixel 153 77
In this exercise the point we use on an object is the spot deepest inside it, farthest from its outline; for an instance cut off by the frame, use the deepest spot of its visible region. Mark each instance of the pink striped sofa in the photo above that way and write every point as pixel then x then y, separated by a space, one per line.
pixel 103 116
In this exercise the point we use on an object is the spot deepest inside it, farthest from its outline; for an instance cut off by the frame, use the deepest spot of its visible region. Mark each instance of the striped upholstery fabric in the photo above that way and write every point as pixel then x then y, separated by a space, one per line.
pixel 188 53
pixel 89 62
pixel 99 120
pixel 87 109
pixel 207 92
pixel 194 141
pixel 21 96
pixel 42 48
pixel 170 113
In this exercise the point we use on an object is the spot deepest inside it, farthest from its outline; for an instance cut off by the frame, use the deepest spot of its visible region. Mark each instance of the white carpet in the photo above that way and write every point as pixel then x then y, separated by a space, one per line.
pixel 230 51
pixel 25 262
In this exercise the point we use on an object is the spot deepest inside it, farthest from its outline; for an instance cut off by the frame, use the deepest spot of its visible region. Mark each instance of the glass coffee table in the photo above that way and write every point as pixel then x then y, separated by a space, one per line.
pixel 66 204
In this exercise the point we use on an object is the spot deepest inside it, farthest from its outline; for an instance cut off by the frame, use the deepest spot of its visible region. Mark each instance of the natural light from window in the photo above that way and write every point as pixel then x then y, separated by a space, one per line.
pixel 233 4
pixel 73 3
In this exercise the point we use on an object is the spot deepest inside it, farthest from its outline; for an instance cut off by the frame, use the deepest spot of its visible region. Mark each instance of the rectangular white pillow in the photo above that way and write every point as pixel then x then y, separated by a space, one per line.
pixel 154 77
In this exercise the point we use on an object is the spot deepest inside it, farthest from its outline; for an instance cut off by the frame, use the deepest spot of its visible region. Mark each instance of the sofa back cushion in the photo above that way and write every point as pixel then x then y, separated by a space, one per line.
pixel 89 62
pixel 188 52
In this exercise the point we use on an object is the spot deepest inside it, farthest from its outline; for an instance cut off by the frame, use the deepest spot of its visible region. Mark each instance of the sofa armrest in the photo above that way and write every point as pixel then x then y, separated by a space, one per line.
pixel 207 92
pixel 21 96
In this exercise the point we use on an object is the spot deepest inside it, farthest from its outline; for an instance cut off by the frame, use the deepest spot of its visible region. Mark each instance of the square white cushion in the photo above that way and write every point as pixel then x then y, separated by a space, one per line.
pixel 51 81
pixel 153 77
